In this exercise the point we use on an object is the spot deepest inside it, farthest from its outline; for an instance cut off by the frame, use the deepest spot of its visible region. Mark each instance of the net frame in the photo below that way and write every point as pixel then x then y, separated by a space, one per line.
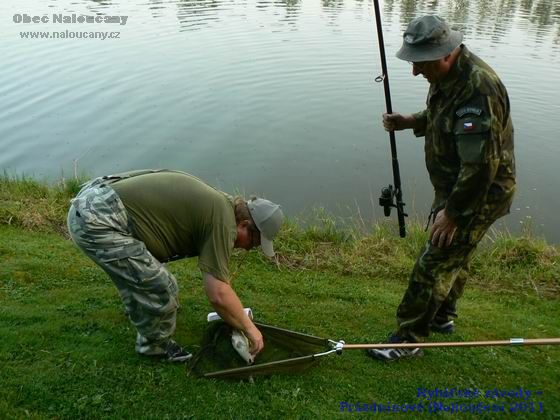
pixel 306 350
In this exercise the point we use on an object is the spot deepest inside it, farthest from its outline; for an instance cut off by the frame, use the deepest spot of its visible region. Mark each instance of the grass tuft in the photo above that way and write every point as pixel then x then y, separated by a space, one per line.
pixel 35 205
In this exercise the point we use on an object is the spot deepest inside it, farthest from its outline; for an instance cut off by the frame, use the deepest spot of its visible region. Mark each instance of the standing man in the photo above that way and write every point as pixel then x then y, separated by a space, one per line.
pixel 130 224
pixel 469 156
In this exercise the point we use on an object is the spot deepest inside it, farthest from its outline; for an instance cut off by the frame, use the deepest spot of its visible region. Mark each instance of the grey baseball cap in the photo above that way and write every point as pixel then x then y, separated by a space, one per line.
pixel 268 217
pixel 428 38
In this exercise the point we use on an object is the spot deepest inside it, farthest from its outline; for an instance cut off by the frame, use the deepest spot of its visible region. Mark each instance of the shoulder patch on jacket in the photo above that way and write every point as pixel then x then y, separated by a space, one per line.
pixel 461 112
pixel 471 134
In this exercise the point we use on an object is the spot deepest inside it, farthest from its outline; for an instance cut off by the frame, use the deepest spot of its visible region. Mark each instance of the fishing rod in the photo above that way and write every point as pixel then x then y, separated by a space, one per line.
pixel 390 196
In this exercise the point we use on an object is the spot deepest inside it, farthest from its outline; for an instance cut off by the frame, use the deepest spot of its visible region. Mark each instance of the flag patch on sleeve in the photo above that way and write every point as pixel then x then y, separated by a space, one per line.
pixel 468 126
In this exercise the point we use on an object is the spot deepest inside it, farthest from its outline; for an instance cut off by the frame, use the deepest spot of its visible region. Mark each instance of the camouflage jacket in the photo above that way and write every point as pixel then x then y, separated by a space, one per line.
pixel 469 139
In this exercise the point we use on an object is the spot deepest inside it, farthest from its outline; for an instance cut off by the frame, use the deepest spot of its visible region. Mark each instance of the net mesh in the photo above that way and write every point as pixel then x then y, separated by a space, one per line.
pixel 285 351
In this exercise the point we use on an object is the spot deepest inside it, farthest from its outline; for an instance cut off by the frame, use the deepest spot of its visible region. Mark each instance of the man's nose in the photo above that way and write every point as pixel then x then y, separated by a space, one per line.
pixel 415 70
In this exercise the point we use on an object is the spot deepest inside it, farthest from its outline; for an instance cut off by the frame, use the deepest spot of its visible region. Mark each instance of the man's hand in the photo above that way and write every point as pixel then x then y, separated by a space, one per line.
pixel 255 339
pixel 443 230
pixel 227 304
pixel 395 122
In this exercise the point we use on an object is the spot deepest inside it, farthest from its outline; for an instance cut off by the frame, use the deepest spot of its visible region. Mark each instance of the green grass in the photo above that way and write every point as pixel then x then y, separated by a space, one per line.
pixel 67 348
pixel 36 205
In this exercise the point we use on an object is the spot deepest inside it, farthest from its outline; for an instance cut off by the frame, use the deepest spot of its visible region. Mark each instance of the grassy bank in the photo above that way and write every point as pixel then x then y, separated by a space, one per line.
pixel 67 348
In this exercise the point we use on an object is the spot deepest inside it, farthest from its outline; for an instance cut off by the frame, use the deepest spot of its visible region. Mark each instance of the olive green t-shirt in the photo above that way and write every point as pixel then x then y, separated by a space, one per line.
pixel 177 215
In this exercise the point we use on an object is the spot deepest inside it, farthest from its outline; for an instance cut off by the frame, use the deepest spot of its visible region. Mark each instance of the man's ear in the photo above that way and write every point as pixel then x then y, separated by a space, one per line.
pixel 244 223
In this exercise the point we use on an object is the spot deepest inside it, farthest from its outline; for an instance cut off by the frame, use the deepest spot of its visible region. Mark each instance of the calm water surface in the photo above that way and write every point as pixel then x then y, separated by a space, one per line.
pixel 268 97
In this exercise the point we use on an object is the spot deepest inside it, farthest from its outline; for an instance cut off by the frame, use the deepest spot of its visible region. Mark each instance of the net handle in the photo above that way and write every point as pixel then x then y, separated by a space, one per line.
pixel 510 342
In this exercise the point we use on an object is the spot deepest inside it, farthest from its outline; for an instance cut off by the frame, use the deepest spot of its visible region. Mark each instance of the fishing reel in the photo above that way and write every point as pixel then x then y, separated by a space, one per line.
pixel 387 199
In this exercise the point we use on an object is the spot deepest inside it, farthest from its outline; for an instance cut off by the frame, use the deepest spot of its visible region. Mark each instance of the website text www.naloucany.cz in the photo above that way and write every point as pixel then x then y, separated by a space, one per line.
pixel 72 19
pixel 102 35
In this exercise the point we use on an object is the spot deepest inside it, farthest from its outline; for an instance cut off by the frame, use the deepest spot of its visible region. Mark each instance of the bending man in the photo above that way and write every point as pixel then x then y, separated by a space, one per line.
pixel 130 224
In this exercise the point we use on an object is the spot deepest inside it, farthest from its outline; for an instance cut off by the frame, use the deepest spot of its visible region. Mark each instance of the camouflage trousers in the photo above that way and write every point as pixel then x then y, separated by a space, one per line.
pixel 98 224
pixel 439 275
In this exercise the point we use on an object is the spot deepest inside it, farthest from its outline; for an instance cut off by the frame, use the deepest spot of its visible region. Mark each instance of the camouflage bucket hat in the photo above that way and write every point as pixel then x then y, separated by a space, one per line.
pixel 428 38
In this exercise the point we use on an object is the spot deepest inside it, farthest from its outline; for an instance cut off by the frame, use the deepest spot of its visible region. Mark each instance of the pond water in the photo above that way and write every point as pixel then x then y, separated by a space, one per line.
pixel 268 97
